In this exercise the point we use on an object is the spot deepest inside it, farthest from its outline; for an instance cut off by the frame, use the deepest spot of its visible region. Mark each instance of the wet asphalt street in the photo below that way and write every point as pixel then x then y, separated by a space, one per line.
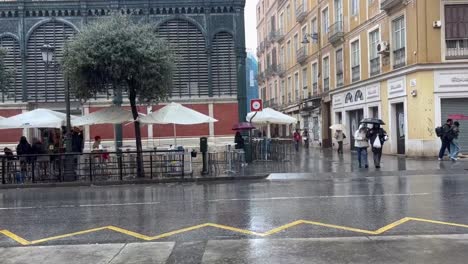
pixel 308 217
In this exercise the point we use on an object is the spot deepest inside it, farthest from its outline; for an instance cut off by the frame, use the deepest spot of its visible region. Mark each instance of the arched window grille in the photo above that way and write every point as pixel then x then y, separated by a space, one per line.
pixel 224 65
pixel 13 63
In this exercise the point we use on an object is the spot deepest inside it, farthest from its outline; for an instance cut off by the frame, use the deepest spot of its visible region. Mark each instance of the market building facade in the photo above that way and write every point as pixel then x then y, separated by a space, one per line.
pixel 207 37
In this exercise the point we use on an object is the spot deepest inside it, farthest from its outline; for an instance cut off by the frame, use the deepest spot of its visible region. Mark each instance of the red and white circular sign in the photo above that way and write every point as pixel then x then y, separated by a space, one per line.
pixel 256 105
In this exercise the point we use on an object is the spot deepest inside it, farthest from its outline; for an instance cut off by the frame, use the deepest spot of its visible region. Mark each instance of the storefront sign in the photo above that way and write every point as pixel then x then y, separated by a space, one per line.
pixel 397 87
pixel 373 93
pixel 458 117
pixel 451 81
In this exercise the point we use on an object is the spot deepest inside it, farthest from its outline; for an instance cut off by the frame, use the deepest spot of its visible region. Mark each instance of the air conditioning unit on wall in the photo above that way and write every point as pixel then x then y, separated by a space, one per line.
pixel 383 48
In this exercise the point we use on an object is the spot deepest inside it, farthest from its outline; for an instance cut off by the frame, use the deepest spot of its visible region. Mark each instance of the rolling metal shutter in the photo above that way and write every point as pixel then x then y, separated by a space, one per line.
pixel 13 63
pixel 191 73
pixel 457 107
pixel 46 85
pixel 224 66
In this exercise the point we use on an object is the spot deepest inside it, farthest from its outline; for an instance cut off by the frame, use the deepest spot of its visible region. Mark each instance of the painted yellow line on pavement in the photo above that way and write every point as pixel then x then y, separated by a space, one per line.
pixel 356 230
pixel 68 235
pixel 379 231
pixel 392 225
pixel 15 237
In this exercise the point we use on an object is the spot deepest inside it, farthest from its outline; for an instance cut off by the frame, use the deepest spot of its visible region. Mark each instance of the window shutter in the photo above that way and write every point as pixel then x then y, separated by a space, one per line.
pixel 13 63
pixel 224 65
pixel 456 22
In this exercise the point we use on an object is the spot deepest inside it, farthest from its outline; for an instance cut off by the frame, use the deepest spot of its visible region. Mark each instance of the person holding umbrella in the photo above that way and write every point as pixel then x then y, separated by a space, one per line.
pixel 377 137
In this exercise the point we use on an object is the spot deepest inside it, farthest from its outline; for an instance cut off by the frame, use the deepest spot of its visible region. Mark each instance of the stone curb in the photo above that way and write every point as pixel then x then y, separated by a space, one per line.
pixel 133 182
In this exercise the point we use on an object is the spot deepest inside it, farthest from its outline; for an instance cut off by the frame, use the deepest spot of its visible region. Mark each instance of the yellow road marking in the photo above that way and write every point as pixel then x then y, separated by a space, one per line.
pixel 15 237
pixel 379 231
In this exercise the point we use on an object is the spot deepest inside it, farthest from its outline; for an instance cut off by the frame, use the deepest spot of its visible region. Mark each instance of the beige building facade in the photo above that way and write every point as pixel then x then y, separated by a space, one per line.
pixel 338 61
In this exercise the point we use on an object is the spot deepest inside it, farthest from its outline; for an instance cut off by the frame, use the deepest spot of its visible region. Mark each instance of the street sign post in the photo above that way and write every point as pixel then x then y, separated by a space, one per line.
pixel 256 105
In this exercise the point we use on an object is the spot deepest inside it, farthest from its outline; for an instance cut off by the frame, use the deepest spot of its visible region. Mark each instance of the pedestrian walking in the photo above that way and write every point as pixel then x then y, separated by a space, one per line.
pixel 453 136
pixel 297 139
pixel 77 140
pixel 305 136
pixel 362 144
pixel 443 137
pixel 23 149
pixel 377 137
pixel 340 137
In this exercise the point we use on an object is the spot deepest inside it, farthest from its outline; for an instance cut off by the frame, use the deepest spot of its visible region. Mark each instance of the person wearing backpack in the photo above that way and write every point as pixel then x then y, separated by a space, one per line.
pixel 454 146
pixel 377 137
pixel 443 137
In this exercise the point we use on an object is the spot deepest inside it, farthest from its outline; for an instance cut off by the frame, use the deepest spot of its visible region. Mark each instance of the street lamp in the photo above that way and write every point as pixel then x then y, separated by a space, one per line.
pixel 47 52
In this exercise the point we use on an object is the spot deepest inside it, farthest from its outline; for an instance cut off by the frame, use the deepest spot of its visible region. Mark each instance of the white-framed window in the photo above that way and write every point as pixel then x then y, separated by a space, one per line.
pixel 315 79
pixel 283 92
pixel 339 67
pixel 281 23
pixel 374 58
pixel 289 89
pixel 338 10
pixel 456 36
pixel 304 32
pixel 326 73
pixel 288 16
pixel 325 20
pixel 355 61
pixel 296 43
pixel 289 48
pixel 354 7
pixel 313 26
pixel 304 83
pixel 399 42
pixel 282 59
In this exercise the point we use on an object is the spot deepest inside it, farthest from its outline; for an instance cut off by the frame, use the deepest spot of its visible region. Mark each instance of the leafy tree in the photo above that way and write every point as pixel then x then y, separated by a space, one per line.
pixel 130 57
pixel 6 74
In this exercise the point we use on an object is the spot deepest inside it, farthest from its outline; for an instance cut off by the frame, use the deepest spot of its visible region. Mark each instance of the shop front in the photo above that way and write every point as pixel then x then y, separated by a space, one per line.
pixel 351 106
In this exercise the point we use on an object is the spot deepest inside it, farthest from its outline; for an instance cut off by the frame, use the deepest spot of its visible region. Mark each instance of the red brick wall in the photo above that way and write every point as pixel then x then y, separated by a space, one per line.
pixel 10 135
pixel 106 132
pixel 182 130
pixel 227 115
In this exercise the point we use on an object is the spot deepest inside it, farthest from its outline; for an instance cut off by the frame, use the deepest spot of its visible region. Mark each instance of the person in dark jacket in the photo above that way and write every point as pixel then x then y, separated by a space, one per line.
pixel 239 140
pixel 77 140
pixel 454 146
pixel 445 140
pixel 37 147
pixel 23 148
pixel 374 134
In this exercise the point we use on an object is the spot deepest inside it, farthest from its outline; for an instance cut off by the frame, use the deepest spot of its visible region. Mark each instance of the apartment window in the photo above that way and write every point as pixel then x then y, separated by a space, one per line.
pixel 275 92
pixel 296 86
pixel 289 90
pixel 304 83
pixel 355 63
pixel 325 21
pixel 304 32
pixel 326 74
pixel 339 68
pixel 288 58
pixel 288 16
pixel 283 92
pixel 399 39
pixel 374 38
pixel 338 10
pixel 456 35
pixel 354 7
pixel 281 23
pixel 296 43
pixel 315 79
pixel 282 60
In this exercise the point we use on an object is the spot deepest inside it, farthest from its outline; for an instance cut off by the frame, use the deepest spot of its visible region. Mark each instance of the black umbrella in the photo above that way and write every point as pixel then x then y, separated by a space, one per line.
pixel 372 121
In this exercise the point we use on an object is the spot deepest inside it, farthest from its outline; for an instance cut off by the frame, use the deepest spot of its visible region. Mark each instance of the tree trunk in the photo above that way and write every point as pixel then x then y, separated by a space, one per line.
pixel 139 148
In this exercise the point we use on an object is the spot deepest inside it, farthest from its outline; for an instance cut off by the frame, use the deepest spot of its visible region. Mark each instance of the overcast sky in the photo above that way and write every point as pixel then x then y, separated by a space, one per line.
pixel 250 25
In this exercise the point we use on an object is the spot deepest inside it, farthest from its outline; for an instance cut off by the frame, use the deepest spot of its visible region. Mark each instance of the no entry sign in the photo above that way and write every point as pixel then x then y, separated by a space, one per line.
pixel 256 105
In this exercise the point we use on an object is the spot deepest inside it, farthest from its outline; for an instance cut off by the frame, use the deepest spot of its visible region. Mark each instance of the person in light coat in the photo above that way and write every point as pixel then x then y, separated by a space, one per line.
pixel 361 142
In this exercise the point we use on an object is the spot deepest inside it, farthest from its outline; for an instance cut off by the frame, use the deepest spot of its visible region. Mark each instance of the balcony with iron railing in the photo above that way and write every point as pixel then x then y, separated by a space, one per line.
pixel 301 54
pixel 301 13
pixel 271 70
pixel 399 59
pixel 456 49
pixel 267 43
pixel 356 73
pixel 276 36
pixel 387 5
pixel 336 33
pixel 375 66
pixel 261 77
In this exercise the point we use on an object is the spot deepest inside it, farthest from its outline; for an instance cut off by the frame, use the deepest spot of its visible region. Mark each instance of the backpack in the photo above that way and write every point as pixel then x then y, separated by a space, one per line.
pixel 439 131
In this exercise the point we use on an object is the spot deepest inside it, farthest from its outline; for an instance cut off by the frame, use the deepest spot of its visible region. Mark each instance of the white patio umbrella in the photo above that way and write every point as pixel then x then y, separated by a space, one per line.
pixel 269 116
pixel 176 114
pixel 38 118
pixel 111 115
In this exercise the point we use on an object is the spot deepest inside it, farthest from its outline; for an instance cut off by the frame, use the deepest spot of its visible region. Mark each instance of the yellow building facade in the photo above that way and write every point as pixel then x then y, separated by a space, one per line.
pixel 338 61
